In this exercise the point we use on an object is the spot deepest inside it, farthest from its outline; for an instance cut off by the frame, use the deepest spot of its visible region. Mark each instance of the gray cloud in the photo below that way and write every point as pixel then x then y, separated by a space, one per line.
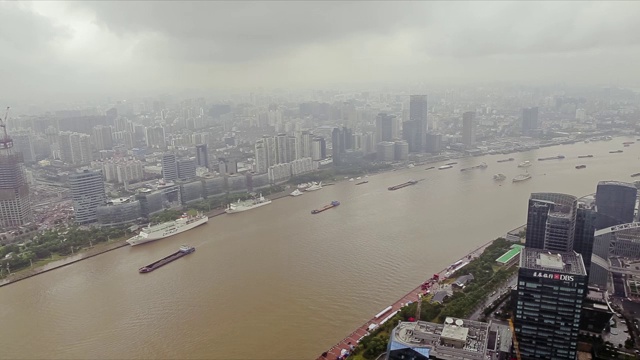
pixel 105 47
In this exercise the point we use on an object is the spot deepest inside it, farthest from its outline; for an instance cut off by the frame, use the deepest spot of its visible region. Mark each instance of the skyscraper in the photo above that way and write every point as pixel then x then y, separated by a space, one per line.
pixel 281 149
pixel 411 135
pixel 23 143
pixel 386 127
pixel 261 157
pixel 202 155
pixel 551 221
pixel 418 114
pixel 584 235
pixel 469 128
pixel 15 204
pixel 87 193
pixel 550 293
pixel 433 143
pixel 155 137
pixel 169 167
pixel 529 120
pixel 342 140
pixel 615 203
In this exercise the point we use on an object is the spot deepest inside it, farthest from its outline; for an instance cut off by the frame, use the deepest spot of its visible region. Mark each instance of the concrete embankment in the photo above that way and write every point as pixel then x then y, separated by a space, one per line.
pixel 100 249
pixel 27 273
pixel 412 296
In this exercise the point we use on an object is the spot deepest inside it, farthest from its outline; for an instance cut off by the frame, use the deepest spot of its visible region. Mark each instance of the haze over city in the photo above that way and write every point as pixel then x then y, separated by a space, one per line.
pixel 71 50
pixel 367 180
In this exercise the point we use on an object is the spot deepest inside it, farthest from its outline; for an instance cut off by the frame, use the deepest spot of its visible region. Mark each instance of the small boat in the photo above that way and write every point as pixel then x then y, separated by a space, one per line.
pixel 581 166
pixel 358 178
pixel 444 167
pixel 522 177
pixel 499 177
pixel 615 152
pixel 524 164
pixel 314 186
pixel 351 179
pixel 362 182
pixel 506 160
pixel 430 167
pixel 451 163
pixel 584 156
pixel 296 192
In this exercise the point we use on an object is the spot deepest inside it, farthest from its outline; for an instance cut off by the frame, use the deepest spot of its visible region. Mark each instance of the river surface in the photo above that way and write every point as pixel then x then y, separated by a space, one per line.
pixel 279 283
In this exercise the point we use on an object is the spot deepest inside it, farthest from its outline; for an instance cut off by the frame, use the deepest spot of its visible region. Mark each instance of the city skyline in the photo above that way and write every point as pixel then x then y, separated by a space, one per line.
pixel 78 50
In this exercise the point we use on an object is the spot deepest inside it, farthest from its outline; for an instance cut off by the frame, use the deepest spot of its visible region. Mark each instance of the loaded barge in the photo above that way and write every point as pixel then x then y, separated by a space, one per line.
pixel 326 207
pixel 559 157
pixel 481 166
pixel 400 186
pixel 184 250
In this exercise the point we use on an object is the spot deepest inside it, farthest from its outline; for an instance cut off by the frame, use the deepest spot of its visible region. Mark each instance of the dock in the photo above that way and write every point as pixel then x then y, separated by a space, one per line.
pixel 411 296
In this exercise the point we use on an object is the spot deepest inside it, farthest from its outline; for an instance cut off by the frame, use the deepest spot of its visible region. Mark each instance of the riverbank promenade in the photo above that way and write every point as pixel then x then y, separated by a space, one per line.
pixel 412 296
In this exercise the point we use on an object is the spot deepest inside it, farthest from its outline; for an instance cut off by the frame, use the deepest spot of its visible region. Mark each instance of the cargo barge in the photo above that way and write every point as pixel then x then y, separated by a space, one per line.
pixel 400 186
pixel 326 207
pixel 506 160
pixel 481 166
pixel 584 156
pixel 184 250
pixel 430 167
pixel 635 175
pixel 362 182
pixel 552 158
pixel 581 166
pixel 615 152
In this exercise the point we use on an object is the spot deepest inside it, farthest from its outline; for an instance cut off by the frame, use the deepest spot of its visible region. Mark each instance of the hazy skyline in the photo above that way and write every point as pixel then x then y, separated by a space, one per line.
pixel 69 49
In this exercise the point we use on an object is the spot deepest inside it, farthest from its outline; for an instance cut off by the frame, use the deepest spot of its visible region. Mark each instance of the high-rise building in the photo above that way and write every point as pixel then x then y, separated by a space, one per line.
pixel 155 137
pixel 386 151
pixel 418 115
pixel 615 203
pixel 87 193
pixel 433 143
pixel 15 204
pixel 401 150
pixel 529 120
pixel 282 153
pixel 455 339
pixel 186 168
pixel 341 139
pixel 386 128
pixel 103 137
pixel 410 135
pixel 23 143
pixel 550 292
pixel 551 221
pixel 261 157
pixel 202 155
pixel 305 144
pixel 292 148
pixel 469 128
pixel 169 167
pixel 318 149
pixel 584 235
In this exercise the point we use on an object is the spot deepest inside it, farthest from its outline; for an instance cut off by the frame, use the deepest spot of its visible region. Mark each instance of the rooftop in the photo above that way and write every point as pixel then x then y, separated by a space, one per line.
pixel 455 339
pixel 566 262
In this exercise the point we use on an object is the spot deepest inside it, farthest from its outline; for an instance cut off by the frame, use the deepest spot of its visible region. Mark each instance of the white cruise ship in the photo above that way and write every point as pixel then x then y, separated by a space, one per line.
pixel 314 186
pixel 296 192
pixel 247 205
pixel 169 228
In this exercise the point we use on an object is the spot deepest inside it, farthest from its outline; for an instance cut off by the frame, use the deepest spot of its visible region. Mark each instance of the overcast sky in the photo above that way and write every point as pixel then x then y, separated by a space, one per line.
pixel 61 49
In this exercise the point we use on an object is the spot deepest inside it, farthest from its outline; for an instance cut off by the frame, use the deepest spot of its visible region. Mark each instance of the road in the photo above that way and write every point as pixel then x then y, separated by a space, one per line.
pixel 477 314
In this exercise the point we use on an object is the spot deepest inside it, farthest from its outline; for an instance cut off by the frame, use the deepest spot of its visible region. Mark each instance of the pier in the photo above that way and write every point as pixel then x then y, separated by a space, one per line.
pixel 411 296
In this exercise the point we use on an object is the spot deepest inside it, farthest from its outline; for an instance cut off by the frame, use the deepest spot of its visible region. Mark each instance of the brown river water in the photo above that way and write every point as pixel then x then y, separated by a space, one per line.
pixel 279 283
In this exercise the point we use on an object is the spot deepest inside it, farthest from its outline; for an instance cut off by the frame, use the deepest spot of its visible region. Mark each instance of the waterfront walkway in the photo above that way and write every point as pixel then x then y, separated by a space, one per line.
pixel 412 296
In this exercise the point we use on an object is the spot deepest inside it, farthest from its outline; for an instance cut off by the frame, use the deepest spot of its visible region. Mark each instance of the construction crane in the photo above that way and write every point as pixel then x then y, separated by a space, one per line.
pixel 5 141
pixel 515 339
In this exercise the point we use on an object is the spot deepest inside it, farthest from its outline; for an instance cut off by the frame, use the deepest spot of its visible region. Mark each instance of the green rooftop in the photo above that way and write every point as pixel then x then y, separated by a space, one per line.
pixel 509 255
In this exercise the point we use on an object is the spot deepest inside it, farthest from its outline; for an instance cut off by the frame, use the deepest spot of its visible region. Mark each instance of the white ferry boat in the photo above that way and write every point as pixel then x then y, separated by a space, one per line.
pixel 296 192
pixel 524 164
pixel 314 186
pixel 169 228
pixel 443 167
pixel 247 205
pixel 499 177
pixel 522 177
pixel 303 186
